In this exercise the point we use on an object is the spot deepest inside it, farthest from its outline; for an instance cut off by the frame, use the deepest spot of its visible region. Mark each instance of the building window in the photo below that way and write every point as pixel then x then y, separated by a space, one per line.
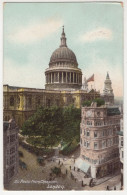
pixel 95 145
pixel 88 133
pixel 98 113
pixel 12 150
pixel 18 101
pixel 12 160
pixel 110 132
pixel 103 144
pixel 84 132
pixel 95 134
pixel 29 101
pixel 7 139
pixel 11 101
pixel 98 123
pixel 57 102
pixel 121 143
pixel 107 132
pixel 108 143
pixel 111 142
pixel 7 161
pixel 11 172
pixel 12 138
pixel 88 144
pixel 89 123
pixel 85 143
pixel 48 102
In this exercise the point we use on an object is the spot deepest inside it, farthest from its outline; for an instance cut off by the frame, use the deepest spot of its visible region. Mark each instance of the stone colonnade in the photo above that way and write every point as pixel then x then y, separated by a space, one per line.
pixel 63 77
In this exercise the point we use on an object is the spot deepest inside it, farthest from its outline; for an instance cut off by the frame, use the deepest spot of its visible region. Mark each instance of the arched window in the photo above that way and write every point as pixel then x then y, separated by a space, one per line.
pixel 29 101
pixel 88 133
pixel 95 134
pixel 11 101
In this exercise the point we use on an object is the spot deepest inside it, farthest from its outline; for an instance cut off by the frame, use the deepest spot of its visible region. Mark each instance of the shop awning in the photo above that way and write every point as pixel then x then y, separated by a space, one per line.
pixel 83 165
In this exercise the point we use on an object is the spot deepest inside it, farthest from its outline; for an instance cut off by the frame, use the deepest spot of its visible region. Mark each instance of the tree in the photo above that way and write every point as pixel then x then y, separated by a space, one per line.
pixel 53 125
pixel 99 102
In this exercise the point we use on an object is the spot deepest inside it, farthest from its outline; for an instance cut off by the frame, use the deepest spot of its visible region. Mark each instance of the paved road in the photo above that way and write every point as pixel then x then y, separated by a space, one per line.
pixel 29 179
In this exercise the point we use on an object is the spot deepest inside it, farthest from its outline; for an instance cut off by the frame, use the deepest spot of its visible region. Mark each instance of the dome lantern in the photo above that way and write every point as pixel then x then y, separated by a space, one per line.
pixel 63 39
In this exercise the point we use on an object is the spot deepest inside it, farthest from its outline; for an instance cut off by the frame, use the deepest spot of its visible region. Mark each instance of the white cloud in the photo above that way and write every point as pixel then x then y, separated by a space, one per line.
pixel 97 34
pixel 35 32
pixel 100 68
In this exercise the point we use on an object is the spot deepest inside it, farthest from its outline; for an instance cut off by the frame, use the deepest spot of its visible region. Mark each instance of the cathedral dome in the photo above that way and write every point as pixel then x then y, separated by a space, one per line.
pixel 63 72
pixel 63 54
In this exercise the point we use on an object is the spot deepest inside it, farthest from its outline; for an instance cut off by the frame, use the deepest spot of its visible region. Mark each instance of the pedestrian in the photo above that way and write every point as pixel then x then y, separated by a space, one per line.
pixel 70 167
pixel 114 187
pixel 66 171
pixel 82 183
pixel 74 168
pixel 107 188
pixel 59 162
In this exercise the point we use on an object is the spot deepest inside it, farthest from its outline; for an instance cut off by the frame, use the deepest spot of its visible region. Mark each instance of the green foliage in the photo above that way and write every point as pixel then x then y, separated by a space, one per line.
pixel 70 147
pixel 87 103
pixel 48 126
pixel 99 101
pixel 56 170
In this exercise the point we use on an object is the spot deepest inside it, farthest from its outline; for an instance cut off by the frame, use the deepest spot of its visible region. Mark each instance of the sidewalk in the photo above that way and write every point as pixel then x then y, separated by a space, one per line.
pixel 102 180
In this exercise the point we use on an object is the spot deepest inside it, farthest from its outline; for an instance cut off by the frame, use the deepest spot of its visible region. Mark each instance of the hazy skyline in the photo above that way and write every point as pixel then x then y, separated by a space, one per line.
pixel 94 32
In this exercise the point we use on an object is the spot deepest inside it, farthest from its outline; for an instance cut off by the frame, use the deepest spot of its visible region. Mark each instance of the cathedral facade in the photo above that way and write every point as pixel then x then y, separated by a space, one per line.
pixel 63 87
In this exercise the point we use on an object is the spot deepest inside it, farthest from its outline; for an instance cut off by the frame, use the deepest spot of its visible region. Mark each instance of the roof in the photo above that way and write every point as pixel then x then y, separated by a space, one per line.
pixel 120 133
pixel 113 111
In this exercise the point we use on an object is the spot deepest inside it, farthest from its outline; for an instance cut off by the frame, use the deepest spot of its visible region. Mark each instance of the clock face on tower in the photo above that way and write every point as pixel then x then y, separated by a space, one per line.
pixel 89 113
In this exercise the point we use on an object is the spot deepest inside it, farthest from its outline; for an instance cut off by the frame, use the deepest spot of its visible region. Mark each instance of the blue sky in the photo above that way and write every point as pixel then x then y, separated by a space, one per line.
pixel 32 32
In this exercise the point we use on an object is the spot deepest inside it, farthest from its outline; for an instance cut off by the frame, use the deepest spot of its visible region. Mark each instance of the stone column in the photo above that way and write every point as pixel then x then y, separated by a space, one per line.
pixel 66 77
pixel 70 77
pixel 58 77
pixel 46 79
pixel 54 77
pixel 51 77
pixel 73 77
pixel 78 78
pixel 62 77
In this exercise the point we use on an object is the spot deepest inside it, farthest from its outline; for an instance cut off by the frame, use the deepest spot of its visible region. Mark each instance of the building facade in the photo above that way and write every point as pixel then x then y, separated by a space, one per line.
pixel 121 149
pixel 99 141
pixel 62 88
pixel 10 150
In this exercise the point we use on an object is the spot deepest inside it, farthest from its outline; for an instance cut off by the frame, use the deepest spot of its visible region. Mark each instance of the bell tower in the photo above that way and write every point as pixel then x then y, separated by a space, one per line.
pixel 108 94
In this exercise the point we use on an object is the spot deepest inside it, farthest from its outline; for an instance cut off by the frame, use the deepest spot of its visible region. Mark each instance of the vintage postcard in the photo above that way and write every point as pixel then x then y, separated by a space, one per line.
pixel 63 96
